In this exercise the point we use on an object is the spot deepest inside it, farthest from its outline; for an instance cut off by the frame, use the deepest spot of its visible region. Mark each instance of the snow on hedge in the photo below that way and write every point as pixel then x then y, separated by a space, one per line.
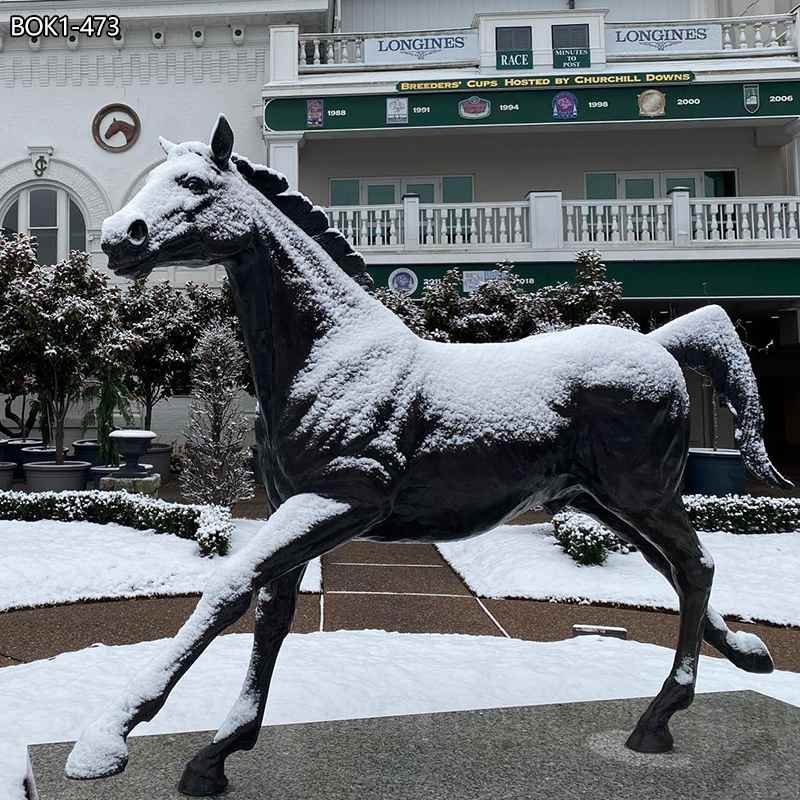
pixel 345 675
pixel 209 526
pixel 756 576
pixel 48 562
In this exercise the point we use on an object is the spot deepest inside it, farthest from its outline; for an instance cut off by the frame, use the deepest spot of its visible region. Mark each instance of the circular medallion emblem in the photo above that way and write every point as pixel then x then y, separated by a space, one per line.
pixel 403 280
pixel 116 127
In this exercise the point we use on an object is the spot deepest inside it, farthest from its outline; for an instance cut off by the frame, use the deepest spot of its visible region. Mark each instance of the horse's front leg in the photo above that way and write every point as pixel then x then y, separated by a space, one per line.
pixel 205 773
pixel 304 527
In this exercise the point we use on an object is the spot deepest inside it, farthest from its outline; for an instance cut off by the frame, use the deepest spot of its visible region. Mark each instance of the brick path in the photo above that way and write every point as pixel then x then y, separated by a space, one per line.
pixel 395 587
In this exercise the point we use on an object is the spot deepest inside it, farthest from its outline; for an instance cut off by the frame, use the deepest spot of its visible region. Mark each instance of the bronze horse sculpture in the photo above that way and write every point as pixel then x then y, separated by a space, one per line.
pixel 367 430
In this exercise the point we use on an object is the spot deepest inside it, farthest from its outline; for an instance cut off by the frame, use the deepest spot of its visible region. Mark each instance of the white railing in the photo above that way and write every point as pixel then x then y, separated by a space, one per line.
pixel 618 221
pixel 544 221
pixel 473 224
pixel 368 227
pixel 746 33
pixel 773 34
pixel 324 50
pixel 745 219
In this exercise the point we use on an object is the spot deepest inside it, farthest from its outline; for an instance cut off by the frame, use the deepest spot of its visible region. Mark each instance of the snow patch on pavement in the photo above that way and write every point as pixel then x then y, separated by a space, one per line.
pixel 49 562
pixel 754 578
pixel 345 675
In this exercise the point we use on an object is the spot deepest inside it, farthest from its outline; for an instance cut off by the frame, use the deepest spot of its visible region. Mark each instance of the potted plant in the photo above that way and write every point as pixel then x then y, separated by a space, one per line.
pixel 165 324
pixel 58 318
pixel 714 470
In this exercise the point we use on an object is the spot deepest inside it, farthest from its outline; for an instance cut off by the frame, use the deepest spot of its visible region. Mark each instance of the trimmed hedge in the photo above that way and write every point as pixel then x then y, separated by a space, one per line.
pixel 743 513
pixel 584 539
pixel 209 526
pixel 589 542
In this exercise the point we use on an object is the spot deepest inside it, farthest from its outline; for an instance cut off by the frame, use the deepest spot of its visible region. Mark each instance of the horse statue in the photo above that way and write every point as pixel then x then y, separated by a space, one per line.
pixel 366 430
pixel 120 126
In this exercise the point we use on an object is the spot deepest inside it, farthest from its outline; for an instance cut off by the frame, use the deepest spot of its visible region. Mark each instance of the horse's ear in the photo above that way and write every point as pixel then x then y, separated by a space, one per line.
pixel 166 145
pixel 221 142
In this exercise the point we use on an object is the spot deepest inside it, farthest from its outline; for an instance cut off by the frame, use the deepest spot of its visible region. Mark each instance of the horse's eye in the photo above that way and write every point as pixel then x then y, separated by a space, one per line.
pixel 197 185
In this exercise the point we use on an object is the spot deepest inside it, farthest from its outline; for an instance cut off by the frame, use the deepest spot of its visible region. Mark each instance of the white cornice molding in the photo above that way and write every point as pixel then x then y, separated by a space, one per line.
pixel 149 10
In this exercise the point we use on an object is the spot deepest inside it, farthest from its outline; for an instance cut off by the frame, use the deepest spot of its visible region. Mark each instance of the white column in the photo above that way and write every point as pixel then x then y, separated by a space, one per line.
pixel 681 218
pixel 793 165
pixel 411 221
pixel 284 43
pixel 545 220
pixel 283 155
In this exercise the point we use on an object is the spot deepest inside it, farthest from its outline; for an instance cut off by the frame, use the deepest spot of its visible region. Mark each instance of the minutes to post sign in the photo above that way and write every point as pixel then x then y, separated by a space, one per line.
pixel 556 104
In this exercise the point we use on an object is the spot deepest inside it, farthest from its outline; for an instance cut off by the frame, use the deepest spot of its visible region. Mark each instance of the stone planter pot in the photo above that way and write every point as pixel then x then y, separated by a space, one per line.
pixel 7 470
pixel 159 456
pixel 132 445
pixel 714 472
pixel 103 471
pixel 87 450
pixel 12 450
pixel 47 476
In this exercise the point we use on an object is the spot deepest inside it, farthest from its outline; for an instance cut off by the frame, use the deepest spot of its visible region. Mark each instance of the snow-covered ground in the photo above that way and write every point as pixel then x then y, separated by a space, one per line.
pixel 51 562
pixel 756 575
pixel 347 674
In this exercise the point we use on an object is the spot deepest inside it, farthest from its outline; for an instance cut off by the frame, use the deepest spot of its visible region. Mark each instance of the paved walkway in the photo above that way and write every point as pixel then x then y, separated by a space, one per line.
pixel 396 587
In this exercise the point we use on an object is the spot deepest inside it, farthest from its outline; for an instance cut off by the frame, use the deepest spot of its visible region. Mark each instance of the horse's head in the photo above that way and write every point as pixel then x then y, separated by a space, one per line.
pixel 193 210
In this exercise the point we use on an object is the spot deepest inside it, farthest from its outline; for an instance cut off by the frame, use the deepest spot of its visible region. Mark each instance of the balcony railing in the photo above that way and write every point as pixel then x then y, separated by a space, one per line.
pixel 544 221
pixel 771 34
pixel 762 35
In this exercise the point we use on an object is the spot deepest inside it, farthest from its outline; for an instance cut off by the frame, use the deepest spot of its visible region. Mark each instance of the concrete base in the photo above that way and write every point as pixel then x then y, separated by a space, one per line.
pixel 148 484
pixel 730 745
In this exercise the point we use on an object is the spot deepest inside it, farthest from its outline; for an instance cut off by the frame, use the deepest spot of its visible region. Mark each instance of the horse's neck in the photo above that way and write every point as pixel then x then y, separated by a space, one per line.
pixel 289 294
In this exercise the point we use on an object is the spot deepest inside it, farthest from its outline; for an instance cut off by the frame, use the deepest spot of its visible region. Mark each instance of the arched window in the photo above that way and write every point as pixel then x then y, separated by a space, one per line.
pixel 52 216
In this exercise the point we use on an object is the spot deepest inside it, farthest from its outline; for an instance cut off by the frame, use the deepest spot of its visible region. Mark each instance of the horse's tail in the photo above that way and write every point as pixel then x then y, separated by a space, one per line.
pixel 706 339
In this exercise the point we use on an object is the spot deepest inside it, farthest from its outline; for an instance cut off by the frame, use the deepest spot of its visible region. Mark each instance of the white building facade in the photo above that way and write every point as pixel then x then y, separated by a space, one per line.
pixel 452 134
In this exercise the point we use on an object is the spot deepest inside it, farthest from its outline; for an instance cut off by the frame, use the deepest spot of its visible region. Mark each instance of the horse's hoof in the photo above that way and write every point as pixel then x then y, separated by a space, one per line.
pixel 203 779
pixel 99 753
pixel 749 653
pixel 650 740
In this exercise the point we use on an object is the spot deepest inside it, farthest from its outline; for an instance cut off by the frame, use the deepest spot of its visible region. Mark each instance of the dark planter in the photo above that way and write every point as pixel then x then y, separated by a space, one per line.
pixel 47 476
pixel 159 456
pixel 38 453
pixel 714 472
pixel 12 452
pixel 87 450
pixel 7 469
pixel 132 445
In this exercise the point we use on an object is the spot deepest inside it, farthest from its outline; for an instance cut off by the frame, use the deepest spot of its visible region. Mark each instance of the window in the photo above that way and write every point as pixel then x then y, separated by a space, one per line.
pixel 570 36
pixel 647 185
pixel 390 191
pixel 516 38
pixel 50 215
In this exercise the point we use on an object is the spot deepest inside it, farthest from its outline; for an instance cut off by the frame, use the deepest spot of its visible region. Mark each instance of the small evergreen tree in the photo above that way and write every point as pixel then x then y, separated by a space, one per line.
pixel 215 459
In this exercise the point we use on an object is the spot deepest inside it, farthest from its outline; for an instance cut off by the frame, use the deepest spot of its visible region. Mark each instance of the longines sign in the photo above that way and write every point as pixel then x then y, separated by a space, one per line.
pixel 653 39
pixel 429 48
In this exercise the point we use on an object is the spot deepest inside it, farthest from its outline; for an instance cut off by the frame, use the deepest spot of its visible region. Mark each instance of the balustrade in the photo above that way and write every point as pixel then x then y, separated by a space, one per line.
pixel 620 222
pixel 369 227
pixel 745 219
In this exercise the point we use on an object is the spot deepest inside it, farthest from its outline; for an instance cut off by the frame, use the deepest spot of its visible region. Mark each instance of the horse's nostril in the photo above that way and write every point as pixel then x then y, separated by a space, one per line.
pixel 137 232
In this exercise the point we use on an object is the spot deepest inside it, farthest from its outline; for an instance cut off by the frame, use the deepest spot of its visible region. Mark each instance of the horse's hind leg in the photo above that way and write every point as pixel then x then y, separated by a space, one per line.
pixel 205 773
pixel 693 571
pixel 744 650
pixel 304 527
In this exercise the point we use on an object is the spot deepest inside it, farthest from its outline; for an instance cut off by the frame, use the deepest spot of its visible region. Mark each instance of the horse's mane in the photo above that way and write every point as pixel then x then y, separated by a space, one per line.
pixel 309 218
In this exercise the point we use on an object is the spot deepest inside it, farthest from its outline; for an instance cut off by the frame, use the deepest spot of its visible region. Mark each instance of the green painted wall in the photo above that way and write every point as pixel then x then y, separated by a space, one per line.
pixel 656 279
pixel 519 107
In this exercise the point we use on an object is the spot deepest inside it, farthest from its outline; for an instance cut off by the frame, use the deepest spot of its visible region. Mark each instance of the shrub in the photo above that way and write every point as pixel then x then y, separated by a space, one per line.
pixel 743 513
pixel 585 539
pixel 209 526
